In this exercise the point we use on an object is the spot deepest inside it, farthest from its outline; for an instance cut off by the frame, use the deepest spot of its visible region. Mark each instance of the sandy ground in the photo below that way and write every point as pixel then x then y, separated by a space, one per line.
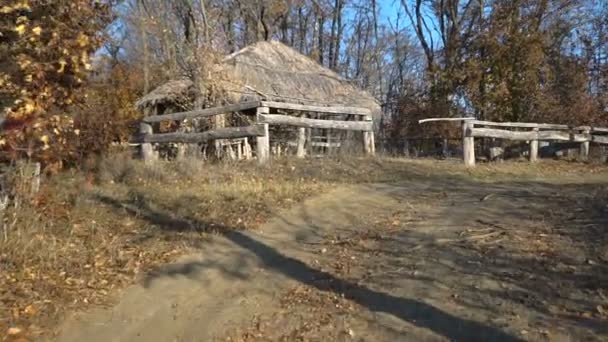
pixel 447 259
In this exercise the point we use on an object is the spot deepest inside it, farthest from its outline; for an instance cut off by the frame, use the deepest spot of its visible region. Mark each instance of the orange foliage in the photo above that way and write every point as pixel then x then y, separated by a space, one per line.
pixel 45 57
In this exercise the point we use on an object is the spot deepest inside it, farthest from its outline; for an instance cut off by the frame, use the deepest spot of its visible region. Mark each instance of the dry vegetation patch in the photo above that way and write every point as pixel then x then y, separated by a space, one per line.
pixel 87 233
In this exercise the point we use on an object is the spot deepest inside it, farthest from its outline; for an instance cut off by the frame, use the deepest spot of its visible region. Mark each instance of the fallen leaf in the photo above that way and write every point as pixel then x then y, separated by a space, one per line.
pixel 30 310
pixel 14 331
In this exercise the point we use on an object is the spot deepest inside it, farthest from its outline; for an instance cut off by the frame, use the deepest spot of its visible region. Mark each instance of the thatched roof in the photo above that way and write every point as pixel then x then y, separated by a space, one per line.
pixel 274 71
pixel 175 92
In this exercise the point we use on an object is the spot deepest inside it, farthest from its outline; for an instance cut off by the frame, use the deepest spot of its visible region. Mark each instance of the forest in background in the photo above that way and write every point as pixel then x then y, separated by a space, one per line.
pixel 70 71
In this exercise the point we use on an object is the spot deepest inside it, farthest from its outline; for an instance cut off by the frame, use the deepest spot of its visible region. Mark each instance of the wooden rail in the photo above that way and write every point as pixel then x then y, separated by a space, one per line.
pixel 539 132
pixel 361 120
pixel 202 113
pixel 276 119
pixel 192 138
pixel 317 109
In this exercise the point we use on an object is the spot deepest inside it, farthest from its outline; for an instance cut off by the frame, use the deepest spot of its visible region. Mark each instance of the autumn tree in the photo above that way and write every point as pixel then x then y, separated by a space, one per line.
pixel 45 56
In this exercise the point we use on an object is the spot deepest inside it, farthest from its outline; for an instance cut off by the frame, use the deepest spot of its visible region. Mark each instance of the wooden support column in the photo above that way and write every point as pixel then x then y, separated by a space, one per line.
pixel 534 148
pixel 468 144
pixel 263 142
pixel 301 151
pixel 585 145
pixel 368 139
pixel 146 150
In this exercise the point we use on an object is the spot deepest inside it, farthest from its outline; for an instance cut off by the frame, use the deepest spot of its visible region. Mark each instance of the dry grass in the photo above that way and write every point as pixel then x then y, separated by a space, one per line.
pixel 76 241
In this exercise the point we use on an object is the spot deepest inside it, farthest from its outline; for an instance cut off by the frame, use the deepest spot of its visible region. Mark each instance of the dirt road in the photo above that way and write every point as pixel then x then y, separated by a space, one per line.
pixel 448 259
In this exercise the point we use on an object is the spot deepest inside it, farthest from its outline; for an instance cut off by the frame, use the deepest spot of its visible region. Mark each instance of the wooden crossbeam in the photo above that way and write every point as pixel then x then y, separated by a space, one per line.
pixel 318 109
pixel 190 138
pixel 203 112
pixel 276 119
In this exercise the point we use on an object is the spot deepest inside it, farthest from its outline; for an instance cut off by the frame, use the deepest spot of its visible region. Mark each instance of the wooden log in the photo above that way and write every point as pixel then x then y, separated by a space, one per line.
pixel 600 139
pixel 326 144
pixel 372 138
pixel 468 144
pixel 221 133
pixel 301 150
pixel 443 119
pixel 263 141
pixel 563 136
pixel 534 148
pixel 529 135
pixel 203 112
pixel 277 119
pixel 239 151
pixel 368 141
pixel 247 149
pixel 318 108
pixel 584 154
pixel 519 125
pixel 146 150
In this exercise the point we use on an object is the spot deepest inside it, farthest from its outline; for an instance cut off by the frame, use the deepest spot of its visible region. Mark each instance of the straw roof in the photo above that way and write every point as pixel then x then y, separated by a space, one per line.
pixel 177 92
pixel 275 72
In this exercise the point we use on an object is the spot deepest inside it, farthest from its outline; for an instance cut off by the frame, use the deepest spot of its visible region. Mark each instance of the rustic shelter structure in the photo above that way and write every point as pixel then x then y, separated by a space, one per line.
pixel 273 90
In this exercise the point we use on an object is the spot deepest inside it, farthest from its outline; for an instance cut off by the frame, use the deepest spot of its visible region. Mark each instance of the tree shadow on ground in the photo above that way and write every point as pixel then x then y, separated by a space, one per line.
pixel 409 310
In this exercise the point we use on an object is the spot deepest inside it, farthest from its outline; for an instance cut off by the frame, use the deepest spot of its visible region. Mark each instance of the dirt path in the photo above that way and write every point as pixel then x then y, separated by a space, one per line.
pixel 442 260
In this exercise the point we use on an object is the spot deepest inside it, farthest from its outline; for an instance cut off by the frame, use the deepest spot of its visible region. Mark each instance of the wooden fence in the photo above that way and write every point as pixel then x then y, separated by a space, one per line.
pixel 521 131
pixel 266 113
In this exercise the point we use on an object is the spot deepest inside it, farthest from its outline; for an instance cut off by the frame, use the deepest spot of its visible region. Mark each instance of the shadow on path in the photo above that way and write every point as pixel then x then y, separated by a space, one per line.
pixel 412 311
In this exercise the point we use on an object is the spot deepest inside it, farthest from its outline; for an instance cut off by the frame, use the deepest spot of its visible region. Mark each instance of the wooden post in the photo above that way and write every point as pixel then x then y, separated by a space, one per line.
pixel 301 151
pixel 146 150
pixel 247 149
pixel 368 139
pixel 263 143
pixel 534 148
pixel 584 154
pixel 468 144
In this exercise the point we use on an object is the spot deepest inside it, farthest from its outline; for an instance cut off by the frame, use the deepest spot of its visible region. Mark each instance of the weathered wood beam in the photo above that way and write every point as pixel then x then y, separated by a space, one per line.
pixel 534 148
pixel 318 109
pixel 277 119
pixel 443 119
pixel 468 144
pixel 584 148
pixel 519 125
pixel 529 135
pixel 146 149
pixel 263 142
pixel 203 112
pixel 191 138
pixel 600 139
pixel 368 141
pixel 301 141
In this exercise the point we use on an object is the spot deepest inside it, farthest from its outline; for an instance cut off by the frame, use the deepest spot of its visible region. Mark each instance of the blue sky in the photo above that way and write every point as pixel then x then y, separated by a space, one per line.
pixel 389 8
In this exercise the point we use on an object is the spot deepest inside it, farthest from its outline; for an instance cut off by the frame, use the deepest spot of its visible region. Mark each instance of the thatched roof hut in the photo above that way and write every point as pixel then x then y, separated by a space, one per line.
pixel 275 72
pixel 176 93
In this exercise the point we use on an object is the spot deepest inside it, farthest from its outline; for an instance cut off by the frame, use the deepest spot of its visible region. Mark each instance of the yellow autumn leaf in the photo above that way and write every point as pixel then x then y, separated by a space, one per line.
pixel 44 139
pixel 83 40
pixel 29 108
pixel 6 9
pixel 20 29
pixel 62 64
pixel 2 142
pixel 37 30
